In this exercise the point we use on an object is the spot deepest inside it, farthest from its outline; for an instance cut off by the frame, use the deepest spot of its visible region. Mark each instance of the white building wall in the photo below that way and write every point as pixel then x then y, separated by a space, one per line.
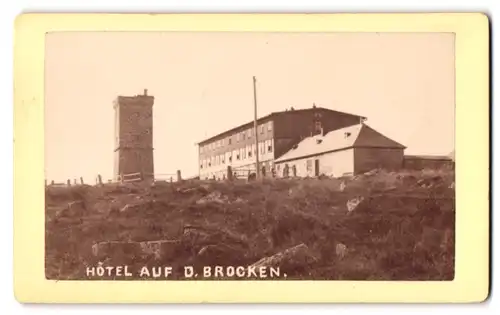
pixel 333 164
pixel 218 166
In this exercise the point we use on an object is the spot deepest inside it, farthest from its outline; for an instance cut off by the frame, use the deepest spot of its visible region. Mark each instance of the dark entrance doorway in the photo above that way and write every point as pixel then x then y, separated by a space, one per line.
pixel 316 167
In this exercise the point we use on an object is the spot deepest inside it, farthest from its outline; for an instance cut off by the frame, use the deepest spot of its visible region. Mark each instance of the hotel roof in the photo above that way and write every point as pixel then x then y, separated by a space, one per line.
pixel 269 116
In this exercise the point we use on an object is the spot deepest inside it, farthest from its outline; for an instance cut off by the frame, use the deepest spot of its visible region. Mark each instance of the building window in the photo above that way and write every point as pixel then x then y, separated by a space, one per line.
pixel 238 137
pixel 249 133
pixel 242 135
pixel 270 146
pixel 237 156
pixel 230 159
pixel 261 128
pixel 270 126
pixel 229 140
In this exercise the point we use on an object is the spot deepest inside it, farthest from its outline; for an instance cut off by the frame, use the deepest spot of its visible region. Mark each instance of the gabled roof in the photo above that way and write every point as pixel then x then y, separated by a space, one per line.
pixel 264 118
pixel 360 135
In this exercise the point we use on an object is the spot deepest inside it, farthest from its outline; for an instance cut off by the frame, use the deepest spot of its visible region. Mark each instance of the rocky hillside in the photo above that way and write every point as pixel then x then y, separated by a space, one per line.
pixel 376 226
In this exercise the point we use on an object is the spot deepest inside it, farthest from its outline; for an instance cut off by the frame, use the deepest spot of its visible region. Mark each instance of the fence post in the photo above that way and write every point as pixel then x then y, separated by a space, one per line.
pixel 81 180
pixel 99 179
pixel 179 177
pixel 69 182
pixel 229 173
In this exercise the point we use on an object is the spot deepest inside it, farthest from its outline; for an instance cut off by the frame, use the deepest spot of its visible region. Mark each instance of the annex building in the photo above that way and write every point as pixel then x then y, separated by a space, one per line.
pixel 346 151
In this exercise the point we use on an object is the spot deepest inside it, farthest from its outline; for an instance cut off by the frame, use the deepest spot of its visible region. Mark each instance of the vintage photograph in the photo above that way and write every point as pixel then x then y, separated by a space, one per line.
pixel 249 156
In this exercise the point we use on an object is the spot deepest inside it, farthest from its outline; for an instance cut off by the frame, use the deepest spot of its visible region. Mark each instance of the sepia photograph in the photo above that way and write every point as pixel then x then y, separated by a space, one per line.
pixel 249 156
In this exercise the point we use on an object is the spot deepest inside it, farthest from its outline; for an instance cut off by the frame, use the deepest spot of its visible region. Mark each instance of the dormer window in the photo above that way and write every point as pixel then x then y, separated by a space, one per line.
pixel 347 134
pixel 317 126
pixel 318 141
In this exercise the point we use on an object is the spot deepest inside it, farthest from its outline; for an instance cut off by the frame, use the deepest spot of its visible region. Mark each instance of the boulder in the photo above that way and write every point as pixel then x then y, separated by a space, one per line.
pixel 160 249
pixel 219 254
pixel 354 203
pixel 110 249
pixel 215 197
pixel 297 256
pixel 74 208
pixel 340 250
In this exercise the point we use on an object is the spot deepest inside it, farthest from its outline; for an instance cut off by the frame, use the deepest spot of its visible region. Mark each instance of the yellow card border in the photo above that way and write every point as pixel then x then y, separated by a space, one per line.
pixel 471 282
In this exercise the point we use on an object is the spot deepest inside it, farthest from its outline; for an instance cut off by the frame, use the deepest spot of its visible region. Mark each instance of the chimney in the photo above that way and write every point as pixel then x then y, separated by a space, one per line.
pixel 145 91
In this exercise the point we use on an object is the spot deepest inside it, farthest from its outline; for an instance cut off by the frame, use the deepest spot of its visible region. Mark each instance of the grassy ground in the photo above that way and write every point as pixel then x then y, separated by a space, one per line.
pixel 402 230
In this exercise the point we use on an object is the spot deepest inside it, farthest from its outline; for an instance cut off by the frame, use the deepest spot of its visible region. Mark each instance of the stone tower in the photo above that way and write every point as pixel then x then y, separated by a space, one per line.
pixel 134 135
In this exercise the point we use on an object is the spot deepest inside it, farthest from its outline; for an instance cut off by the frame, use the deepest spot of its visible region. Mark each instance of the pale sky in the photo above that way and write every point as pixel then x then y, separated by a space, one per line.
pixel 202 84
